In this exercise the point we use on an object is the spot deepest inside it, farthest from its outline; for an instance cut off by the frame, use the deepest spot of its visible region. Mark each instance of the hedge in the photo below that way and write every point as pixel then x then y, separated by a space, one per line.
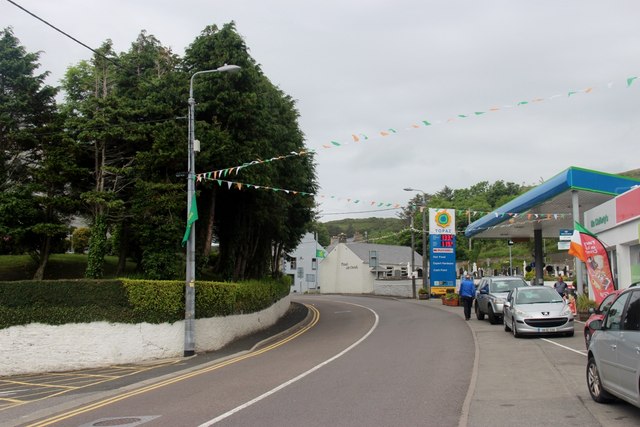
pixel 57 302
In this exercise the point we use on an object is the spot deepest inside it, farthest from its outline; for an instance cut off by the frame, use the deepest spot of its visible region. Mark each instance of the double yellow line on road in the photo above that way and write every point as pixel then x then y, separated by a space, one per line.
pixel 114 399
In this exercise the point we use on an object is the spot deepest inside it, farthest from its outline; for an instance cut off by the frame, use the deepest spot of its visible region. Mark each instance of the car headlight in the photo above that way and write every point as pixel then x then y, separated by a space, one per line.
pixel 521 313
pixel 566 311
pixel 498 301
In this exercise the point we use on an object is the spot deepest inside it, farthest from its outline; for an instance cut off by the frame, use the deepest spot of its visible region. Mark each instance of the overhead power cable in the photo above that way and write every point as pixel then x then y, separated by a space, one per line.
pixel 65 34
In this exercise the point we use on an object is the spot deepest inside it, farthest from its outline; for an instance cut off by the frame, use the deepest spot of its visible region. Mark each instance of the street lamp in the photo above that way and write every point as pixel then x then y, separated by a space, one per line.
pixel 190 292
pixel 425 281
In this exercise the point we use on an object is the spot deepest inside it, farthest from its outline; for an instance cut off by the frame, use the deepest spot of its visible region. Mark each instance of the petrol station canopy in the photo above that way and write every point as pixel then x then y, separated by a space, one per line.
pixel 549 207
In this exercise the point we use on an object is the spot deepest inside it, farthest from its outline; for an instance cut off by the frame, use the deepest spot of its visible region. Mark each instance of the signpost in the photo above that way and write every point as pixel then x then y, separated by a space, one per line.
pixel 442 250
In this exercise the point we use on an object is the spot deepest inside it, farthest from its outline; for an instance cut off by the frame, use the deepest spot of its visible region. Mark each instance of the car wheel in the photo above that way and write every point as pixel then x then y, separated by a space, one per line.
pixel 492 316
pixel 514 329
pixel 594 384
pixel 587 338
pixel 479 313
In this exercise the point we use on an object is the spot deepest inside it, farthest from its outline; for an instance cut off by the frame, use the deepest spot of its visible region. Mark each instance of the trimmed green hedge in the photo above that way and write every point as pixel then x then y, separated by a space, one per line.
pixel 57 302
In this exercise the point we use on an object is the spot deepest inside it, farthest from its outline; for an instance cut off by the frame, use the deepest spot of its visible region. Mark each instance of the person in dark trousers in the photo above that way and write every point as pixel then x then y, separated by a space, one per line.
pixel 560 286
pixel 467 293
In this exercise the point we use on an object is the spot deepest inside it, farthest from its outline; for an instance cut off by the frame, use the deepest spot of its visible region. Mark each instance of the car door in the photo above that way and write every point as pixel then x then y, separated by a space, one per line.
pixel 506 311
pixel 606 346
pixel 483 295
pixel 629 348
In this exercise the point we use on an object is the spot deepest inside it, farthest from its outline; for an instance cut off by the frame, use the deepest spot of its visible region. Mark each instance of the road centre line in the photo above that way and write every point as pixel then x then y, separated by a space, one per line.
pixel 299 377
pixel 226 362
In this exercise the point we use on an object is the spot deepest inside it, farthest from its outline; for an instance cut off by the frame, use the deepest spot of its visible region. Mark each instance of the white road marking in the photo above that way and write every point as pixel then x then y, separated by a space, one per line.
pixel 564 346
pixel 299 377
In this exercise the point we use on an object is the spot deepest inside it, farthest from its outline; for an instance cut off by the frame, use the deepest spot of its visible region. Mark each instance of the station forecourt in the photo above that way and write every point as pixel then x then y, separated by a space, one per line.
pixel 552 206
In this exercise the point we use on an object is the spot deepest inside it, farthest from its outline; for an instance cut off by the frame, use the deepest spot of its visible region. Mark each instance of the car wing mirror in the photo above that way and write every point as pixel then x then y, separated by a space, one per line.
pixel 507 304
pixel 596 325
pixel 591 310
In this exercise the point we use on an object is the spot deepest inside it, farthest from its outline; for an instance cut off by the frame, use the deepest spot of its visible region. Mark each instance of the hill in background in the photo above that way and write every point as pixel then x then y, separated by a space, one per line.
pixel 365 228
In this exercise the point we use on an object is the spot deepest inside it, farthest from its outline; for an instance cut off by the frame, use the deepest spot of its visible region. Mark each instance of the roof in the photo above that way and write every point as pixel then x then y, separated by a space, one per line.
pixel 387 254
pixel 548 206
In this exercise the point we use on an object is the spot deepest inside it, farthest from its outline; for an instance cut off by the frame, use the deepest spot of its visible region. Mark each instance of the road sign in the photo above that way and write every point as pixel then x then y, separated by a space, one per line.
pixel 565 235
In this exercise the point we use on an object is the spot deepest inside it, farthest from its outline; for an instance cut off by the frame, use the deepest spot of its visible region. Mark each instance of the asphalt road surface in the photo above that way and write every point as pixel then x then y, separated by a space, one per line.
pixel 359 361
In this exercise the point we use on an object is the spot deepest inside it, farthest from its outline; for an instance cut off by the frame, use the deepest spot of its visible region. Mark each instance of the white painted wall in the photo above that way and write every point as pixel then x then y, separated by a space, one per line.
pixel 343 272
pixel 39 348
pixel 395 288
pixel 304 254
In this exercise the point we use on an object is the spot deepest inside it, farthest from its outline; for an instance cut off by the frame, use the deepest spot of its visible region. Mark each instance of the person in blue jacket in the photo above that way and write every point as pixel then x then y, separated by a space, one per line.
pixel 467 294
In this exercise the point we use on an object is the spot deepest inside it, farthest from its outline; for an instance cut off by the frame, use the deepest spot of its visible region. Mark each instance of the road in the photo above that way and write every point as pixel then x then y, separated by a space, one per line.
pixel 361 361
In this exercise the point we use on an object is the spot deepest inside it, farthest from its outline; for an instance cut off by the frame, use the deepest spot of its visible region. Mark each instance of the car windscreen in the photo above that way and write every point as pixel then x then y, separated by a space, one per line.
pixel 537 296
pixel 506 285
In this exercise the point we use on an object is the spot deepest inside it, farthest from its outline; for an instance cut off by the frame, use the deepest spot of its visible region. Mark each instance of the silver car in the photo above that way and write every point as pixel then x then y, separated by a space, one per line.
pixel 613 363
pixel 491 295
pixel 537 310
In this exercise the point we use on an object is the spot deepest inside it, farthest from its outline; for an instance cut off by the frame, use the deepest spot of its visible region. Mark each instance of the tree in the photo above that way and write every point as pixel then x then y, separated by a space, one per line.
pixel 36 200
pixel 240 118
pixel 123 108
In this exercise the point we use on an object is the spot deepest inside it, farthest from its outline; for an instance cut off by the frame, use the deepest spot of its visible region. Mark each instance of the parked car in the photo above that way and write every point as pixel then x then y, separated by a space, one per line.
pixel 598 313
pixel 491 295
pixel 537 310
pixel 613 360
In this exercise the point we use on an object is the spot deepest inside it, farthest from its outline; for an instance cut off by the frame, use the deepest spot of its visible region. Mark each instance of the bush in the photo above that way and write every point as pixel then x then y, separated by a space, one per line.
pixel 56 302
pixel 80 240
pixel 583 303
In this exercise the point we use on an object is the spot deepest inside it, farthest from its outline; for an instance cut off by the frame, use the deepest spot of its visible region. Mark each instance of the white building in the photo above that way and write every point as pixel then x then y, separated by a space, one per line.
pixel 302 264
pixel 617 225
pixel 366 268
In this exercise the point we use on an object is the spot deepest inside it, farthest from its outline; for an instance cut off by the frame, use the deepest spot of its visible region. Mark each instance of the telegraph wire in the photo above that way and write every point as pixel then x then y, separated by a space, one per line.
pixel 65 34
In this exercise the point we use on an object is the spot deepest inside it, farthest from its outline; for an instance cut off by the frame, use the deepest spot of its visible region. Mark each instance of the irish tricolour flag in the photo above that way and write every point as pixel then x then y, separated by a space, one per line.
pixel 576 248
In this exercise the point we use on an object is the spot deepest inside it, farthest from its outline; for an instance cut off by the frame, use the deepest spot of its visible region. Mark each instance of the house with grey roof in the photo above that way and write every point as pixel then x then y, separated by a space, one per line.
pixel 368 268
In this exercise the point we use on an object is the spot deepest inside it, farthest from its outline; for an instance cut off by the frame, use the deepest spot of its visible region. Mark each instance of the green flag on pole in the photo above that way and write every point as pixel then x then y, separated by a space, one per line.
pixel 193 217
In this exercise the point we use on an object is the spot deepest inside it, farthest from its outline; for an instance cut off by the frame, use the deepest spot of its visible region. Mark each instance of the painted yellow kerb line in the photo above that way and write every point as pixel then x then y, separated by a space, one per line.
pixel 106 402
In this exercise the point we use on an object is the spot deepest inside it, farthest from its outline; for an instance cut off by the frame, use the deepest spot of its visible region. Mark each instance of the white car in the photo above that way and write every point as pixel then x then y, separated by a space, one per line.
pixel 613 363
pixel 537 310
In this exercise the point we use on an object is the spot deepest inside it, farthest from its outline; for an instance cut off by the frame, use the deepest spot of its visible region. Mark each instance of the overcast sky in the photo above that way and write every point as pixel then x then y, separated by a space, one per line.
pixel 364 67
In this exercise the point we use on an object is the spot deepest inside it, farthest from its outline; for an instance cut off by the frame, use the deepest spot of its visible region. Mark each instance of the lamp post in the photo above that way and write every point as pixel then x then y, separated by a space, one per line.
pixel 190 292
pixel 413 261
pixel 510 243
pixel 425 281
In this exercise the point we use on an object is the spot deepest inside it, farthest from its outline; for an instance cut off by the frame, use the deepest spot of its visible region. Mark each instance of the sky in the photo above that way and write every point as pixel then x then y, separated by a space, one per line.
pixel 513 90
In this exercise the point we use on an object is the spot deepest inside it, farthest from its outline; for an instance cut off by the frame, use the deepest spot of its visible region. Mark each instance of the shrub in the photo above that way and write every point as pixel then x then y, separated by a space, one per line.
pixel 80 240
pixel 58 302
pixel 583 303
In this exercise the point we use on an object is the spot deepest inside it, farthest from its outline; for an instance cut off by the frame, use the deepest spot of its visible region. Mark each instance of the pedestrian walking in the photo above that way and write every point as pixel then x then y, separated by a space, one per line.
pixel 467 294
pixel 560 286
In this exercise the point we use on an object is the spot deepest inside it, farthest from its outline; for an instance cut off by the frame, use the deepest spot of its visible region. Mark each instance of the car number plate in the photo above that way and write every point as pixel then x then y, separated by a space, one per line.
pixel 547 329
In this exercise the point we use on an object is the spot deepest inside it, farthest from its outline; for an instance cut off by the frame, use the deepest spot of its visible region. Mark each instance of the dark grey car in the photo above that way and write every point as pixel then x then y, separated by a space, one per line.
pixel 491 295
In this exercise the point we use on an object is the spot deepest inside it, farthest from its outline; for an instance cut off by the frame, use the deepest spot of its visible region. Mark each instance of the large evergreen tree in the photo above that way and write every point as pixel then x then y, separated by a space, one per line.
pixel 36 159
pixel 240 118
